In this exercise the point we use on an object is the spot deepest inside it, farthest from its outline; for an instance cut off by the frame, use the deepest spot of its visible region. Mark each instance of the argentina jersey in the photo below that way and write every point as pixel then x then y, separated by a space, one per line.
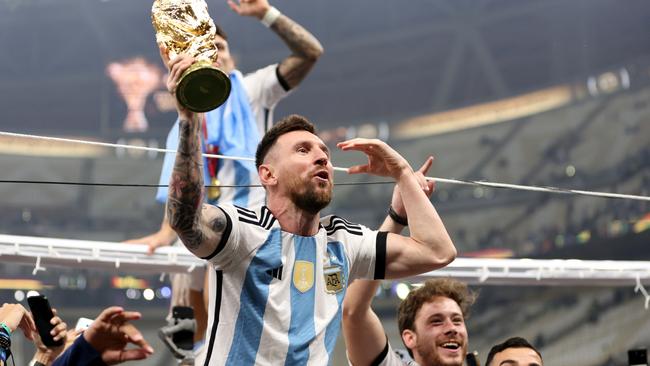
pixel 277 296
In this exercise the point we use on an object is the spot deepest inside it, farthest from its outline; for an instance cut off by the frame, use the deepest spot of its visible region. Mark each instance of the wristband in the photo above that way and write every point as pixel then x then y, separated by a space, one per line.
pixel 6 328
pixel 396 217
pixel 5 342
pixel 271 16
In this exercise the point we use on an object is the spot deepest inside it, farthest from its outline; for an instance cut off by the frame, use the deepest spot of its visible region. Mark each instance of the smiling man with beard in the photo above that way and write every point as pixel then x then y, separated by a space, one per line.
pixel 431 322
pixel 282 270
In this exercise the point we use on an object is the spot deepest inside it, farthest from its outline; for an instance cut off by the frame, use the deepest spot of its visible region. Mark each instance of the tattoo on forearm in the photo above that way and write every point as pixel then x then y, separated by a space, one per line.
pixel 186 186
pixel 305 48
pixel 184 221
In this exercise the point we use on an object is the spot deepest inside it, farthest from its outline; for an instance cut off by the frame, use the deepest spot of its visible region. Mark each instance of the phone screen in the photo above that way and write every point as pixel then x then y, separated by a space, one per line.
pixel 183 339
pixel 637 357
pixel 42 313
pixel 471 359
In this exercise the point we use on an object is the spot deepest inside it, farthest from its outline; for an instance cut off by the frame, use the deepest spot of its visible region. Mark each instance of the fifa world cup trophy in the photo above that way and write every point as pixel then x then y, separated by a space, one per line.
pixel 184 26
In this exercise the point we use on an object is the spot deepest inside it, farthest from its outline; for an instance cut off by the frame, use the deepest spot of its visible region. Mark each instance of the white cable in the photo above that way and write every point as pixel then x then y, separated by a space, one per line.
pixel 122 146
pixel 539 189
pixel 437 180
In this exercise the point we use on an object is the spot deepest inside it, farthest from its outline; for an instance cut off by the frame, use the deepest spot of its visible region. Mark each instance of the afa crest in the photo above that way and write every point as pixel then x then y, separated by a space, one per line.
pixel 334 279
pixel 303 275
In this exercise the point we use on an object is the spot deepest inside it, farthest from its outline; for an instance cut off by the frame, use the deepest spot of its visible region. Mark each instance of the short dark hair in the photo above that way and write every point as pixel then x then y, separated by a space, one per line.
pixel 443 287
pixel 513 342
pixel 288 124
pixel 220 32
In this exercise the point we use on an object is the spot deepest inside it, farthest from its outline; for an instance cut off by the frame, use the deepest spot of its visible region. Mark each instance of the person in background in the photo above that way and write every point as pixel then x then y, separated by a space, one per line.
pixel 106 340
pixel 12 317
pixel 431 322
pixel 515 351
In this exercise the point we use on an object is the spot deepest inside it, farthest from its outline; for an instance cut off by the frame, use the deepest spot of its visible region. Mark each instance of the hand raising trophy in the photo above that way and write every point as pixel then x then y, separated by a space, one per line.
pixel 184 26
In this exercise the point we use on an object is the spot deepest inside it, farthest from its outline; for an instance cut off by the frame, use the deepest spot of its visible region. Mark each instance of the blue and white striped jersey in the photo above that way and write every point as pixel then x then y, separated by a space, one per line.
pixel 277 298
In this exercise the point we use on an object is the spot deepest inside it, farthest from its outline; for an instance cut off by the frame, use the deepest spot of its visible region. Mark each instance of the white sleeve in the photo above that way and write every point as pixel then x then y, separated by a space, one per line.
pixel 264 88
pixel 387 357
pixel 232 244
pixel 365 248
pixel 368 255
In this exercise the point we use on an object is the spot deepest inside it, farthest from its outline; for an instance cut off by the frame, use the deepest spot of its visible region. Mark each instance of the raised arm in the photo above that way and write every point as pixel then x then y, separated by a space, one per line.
pixel 198 225
pixel 365 337
pixel 428 247
pixel 305 48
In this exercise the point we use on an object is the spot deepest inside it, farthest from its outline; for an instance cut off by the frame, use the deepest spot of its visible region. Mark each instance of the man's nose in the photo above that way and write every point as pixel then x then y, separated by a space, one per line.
pixel 320 158
pixel 450 327
pixel 321 161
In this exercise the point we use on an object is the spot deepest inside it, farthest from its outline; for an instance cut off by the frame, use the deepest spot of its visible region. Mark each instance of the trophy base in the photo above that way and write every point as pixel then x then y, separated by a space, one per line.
pixel 202 87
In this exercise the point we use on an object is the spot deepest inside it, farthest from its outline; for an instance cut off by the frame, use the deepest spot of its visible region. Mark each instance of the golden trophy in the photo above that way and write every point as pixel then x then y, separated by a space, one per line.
pixel 184 26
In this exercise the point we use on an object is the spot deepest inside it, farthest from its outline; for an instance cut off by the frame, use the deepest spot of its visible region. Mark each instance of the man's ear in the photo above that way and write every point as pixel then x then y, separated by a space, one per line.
pixel 267 175
pixel 409 338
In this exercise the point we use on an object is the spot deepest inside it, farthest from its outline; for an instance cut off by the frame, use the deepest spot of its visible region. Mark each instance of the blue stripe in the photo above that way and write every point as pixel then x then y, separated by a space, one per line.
pixel 253 298
pixel 337 257
pixel 243 171
pixel 302 329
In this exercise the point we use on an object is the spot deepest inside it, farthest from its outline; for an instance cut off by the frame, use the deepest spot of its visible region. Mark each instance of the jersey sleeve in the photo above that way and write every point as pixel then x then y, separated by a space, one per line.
pixel 387 357
pixel 264 87
pixel 368 257
pixel 237 240
pixel 365 248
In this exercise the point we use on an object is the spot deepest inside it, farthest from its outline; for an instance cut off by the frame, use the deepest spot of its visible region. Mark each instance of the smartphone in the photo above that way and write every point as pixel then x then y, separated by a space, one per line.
pixel 83 324
pixel 637 357
pixel 471 359
pixel 42 313
pixel 183 339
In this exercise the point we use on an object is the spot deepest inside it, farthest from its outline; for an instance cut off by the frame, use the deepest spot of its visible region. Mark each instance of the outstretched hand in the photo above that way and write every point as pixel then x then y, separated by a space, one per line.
pixel 382 159
pixel 428 187
pixel 16 316
pixel 253 8
pixel 153 241
pixel 111 332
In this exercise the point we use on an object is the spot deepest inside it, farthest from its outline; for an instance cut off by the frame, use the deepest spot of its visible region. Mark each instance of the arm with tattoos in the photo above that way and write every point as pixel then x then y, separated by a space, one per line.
pixel 305 48
pixel 198 225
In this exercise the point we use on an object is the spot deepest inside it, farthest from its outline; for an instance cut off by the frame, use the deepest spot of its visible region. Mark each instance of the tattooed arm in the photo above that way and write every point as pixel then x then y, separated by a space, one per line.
pixel 199 226
pixel 305 48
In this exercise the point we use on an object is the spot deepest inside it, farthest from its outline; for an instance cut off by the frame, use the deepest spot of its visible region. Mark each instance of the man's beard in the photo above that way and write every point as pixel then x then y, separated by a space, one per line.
pixel 431 357
pixel 311 200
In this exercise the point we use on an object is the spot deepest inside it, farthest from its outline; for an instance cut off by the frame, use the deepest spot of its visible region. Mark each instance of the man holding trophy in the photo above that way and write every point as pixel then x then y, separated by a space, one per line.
pixel 236 126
